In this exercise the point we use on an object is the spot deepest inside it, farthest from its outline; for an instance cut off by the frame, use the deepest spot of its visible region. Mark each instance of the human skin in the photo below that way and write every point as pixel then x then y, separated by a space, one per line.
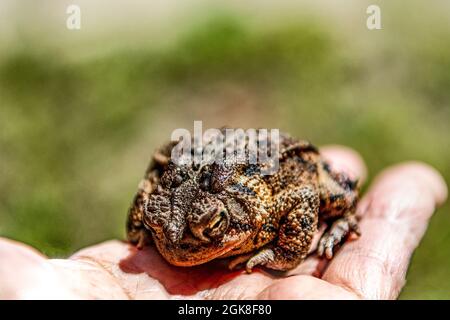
pixel 394 215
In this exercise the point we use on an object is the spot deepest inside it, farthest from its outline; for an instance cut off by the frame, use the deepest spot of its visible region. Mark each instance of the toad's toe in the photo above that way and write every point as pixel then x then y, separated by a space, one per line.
pixel 261 258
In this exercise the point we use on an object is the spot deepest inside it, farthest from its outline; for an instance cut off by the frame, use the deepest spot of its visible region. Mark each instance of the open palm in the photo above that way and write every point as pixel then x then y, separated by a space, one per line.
pixel 394 215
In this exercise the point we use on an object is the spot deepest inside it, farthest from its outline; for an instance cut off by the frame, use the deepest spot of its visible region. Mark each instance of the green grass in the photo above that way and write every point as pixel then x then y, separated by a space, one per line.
pixel 76 134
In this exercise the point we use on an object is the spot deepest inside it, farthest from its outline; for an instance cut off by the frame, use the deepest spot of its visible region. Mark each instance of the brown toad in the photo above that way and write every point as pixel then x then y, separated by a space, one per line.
pixel 196 213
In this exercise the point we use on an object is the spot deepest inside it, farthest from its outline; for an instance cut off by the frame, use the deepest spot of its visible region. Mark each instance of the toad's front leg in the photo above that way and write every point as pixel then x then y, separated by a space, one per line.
pixel 298 226
pixel 339 196
pixel 336 234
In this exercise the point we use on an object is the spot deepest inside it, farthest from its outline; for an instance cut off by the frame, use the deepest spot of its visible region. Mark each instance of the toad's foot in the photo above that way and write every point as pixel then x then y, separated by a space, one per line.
pixel 261 258
pixel 338 231
pixel 251 260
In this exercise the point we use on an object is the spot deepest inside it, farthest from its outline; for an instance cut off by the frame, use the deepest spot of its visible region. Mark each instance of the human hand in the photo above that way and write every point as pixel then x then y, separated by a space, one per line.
pixel 394 216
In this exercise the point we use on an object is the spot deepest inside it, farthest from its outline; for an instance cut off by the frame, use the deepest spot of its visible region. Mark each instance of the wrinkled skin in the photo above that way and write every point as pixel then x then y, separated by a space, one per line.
pixel 199 212
pixel 394 215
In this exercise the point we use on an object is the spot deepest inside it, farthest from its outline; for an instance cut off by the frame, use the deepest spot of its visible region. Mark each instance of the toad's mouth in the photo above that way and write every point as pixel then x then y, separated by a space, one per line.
pixel 190 251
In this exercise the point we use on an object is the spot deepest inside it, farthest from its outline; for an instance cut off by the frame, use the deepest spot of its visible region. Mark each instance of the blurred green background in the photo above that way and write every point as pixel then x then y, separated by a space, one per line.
pixel 81 111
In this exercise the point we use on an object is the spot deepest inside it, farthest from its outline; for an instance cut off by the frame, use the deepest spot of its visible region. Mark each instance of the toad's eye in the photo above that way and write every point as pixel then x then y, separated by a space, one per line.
pixel 205 181
pixel 172 179
pixel 177 180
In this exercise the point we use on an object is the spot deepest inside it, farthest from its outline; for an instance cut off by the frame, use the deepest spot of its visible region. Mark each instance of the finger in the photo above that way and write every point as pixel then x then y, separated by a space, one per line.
pixel 26 274
pixel 344 159
pixel 110 256
pixel 396 213
pixel 341 159
pixel 305 288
